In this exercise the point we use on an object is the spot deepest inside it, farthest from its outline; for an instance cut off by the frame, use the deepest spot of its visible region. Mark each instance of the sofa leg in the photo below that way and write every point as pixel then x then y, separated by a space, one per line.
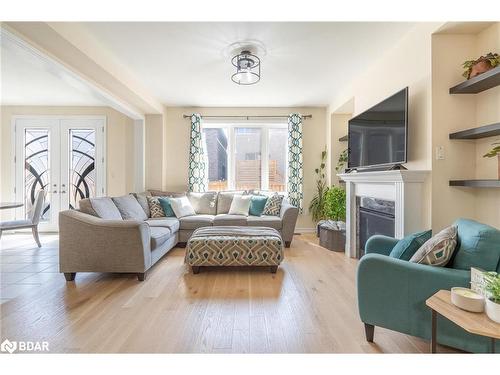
pixel 141 276
pixel 69 276
pixel 288 243
pixel 195 269
pixel 369 332
pixel 274 269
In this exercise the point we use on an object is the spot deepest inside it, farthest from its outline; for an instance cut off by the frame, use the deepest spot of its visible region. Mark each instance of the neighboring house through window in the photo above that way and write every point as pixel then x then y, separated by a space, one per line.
pixel 246 156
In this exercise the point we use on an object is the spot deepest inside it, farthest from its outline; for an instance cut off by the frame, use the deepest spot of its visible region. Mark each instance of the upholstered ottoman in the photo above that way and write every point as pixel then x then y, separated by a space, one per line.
pixel 234 246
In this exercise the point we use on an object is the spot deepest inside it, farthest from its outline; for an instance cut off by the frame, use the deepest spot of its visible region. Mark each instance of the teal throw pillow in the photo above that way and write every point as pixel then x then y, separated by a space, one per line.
pixel 257 204
pixel 409 245
pixel 167 208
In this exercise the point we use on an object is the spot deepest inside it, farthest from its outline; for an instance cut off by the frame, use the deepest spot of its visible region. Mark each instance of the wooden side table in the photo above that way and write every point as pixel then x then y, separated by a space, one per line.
pixel 476 323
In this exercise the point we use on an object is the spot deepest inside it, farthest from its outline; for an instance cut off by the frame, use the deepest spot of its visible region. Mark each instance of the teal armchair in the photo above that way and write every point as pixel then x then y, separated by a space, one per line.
pixel 392 292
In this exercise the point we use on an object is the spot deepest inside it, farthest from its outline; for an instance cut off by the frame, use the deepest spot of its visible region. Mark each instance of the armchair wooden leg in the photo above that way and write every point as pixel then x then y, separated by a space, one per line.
pixel 274 269
pixel 141 276
pixel 195 269
pixel 369 332
pixel 35 235
pixel 70 276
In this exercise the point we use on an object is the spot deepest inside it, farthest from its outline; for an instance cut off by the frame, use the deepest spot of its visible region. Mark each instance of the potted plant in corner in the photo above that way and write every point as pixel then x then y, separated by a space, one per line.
pixel 332 231
pixel 342 162
pixel 317 205
pixel 495 151
pixel 492 288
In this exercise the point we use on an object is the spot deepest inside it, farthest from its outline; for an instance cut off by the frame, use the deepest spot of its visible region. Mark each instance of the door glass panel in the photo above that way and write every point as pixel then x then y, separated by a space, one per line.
pixel 36 169
pixel 247 158
pixel 278 146
pixel 82 174
pixel 216 141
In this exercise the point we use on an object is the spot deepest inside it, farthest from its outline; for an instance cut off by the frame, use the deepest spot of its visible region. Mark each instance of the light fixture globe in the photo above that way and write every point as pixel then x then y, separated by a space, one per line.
pixel 247 68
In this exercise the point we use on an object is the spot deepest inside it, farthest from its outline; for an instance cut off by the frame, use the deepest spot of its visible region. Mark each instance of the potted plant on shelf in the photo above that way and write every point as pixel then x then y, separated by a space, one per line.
pixel 317 205
pixel 495 151
pixel 492 288
pixel 332 231
pixel 481 65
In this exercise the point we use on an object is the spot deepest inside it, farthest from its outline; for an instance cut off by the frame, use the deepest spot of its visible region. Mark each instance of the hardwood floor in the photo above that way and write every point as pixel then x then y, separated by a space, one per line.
pixel 308 306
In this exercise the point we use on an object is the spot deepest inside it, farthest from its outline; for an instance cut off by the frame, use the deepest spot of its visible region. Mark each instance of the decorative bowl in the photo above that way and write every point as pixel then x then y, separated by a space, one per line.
pixel 467 299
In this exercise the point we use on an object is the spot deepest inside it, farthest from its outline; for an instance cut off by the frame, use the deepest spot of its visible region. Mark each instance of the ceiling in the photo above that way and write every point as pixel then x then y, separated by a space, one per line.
pixel 27 78
pixel 183 64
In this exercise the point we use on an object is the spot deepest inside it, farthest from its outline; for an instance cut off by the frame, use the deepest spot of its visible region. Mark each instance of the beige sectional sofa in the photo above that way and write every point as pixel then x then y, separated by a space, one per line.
pixel 118 234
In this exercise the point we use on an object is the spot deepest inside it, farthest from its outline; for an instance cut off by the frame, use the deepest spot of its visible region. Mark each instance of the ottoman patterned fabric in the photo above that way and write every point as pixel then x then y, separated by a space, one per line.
pixel 234 246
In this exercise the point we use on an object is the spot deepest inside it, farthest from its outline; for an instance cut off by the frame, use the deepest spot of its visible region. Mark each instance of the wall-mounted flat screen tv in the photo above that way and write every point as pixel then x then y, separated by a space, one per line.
pixel 378 136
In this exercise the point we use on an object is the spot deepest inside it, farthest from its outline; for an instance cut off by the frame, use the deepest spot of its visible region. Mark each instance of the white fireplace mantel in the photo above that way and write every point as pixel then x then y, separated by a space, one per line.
pixel 404 187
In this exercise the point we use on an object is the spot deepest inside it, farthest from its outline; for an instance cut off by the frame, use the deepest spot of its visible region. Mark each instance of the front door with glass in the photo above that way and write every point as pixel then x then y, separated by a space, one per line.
pixel 64 157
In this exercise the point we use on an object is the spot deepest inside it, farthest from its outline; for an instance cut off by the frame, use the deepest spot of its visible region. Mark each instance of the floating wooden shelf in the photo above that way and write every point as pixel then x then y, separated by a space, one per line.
pixel 479 83
pixel 343 139
pixel 476 183
pixel 476 133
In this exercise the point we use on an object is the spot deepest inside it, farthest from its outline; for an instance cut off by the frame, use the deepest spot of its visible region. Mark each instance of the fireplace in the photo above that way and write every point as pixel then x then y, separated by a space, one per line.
pixel 374 216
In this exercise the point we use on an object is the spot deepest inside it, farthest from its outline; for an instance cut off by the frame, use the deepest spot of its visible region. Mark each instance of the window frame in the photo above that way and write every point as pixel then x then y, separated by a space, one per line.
pixel 264 147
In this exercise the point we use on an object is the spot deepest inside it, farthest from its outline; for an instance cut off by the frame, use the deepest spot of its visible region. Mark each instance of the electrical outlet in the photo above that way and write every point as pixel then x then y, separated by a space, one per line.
pixel 440 153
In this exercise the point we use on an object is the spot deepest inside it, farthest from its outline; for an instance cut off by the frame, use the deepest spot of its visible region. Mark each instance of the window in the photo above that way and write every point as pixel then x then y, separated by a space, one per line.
pixel 245 157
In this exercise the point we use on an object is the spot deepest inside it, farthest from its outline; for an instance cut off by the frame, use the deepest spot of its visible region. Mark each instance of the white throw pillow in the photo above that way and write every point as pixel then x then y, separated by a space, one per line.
pixel 182 207
pixel 240 205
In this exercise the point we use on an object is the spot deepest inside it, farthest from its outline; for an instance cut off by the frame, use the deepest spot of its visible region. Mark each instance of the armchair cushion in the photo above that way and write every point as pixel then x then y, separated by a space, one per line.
pixel 478 246
pixel 406 247
pixel 439 249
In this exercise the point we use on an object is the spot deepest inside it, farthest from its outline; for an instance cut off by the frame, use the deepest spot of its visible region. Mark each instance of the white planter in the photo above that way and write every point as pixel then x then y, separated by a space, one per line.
pixel 493 310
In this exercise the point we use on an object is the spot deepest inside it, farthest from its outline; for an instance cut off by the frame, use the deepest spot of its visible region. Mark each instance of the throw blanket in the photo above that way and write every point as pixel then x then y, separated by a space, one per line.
pixel 235 232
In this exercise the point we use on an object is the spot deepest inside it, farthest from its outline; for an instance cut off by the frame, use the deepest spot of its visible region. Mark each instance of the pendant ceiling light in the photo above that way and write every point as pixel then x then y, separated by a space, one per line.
pixel 247 68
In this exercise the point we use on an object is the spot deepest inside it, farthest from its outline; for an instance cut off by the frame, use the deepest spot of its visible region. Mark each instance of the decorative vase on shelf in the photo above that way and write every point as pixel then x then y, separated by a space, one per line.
pixel 493 310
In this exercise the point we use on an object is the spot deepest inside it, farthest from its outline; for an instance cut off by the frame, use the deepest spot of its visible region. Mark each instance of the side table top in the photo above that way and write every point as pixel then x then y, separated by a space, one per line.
pixel 476 323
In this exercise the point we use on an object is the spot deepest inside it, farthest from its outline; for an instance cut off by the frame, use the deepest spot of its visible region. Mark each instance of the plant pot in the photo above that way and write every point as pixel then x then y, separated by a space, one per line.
pixel 493 310
pixel 480 67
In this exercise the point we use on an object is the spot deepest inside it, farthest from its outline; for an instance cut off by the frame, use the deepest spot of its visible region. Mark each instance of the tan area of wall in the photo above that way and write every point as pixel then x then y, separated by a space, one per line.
pixel 119 145
pixel 156 158
pixel 463 158
pixel 407 64
pixel 177 145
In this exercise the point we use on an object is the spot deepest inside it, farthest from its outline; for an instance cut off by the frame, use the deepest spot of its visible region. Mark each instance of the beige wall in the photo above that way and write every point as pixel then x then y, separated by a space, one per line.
pixel 407 64
pixel 119 145
pixel 156 158
pixel 177 145
pixel 463 158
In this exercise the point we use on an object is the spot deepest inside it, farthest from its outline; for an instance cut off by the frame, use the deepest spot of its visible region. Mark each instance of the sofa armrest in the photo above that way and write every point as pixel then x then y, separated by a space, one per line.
pixel 380 244
pixel 392 292
pixel 288 215
pixel 91 244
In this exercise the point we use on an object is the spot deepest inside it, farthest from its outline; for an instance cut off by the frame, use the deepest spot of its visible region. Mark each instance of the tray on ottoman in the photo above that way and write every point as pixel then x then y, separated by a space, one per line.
pixel 234 246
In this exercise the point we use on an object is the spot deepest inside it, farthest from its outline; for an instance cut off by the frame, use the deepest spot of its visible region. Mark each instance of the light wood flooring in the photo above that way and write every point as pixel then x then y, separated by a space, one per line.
pixel 308 306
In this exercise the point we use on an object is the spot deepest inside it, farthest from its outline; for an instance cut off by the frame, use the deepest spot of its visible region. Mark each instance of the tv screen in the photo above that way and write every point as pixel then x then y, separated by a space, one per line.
pixel 378 136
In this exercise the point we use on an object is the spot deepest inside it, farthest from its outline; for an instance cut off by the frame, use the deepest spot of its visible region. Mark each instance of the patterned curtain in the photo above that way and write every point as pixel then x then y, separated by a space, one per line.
pixel 198 177
pixel 295 163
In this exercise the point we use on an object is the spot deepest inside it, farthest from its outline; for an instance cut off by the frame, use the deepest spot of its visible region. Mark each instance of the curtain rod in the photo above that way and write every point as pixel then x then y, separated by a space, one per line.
pixel 248 117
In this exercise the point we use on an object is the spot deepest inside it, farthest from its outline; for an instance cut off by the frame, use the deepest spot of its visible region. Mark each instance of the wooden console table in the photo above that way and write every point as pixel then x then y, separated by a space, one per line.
pixel 476 323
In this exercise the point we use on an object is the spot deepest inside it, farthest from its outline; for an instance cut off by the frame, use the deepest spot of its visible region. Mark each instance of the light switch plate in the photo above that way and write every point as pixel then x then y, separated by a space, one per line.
pixel 439 153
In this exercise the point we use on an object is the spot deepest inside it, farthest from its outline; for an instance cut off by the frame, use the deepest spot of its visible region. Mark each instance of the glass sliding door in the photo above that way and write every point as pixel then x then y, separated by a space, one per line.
pixel 248 168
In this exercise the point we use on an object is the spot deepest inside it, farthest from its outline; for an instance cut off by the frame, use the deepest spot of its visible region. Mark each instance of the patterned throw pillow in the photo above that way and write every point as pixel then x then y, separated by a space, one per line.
pixel 273 205
pixel 155 207
pixel 438 250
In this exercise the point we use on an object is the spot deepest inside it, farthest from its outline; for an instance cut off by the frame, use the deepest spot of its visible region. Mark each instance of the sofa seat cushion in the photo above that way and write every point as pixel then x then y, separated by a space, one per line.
pixel 171 223
pixel 226 219
pixel 264 221
pixel 158 236
pixel 196 221
pixel 477 246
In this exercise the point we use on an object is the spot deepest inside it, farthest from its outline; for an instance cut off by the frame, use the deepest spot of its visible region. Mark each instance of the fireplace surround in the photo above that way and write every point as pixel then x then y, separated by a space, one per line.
pixel 402 187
